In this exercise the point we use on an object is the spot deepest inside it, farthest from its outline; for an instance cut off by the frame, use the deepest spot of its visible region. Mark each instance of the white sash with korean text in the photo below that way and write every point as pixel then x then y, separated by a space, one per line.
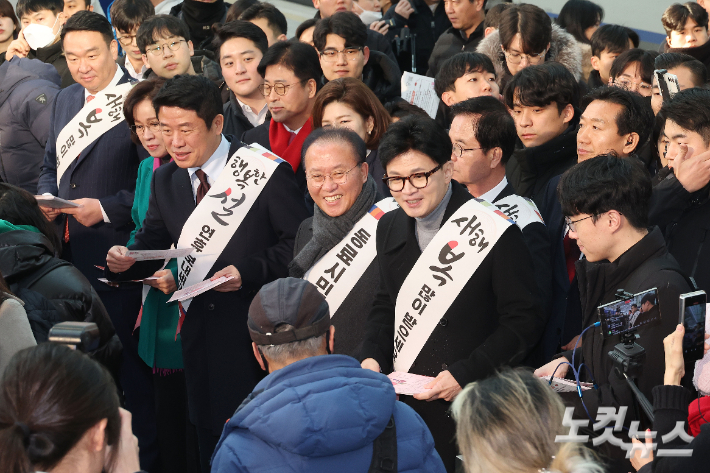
pixel 521 209
pixel 440 273
pixel 93 120
pixel 214 221
pixel 337 272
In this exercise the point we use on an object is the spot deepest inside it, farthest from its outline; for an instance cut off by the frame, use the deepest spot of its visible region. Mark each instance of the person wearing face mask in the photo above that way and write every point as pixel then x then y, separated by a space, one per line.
pixel 42 22
pixel 200 15
pixel 425 18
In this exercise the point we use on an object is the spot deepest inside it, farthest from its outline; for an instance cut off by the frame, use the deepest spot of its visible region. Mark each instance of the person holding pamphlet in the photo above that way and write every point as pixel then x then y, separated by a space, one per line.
pixel 457 297
pixel 239 208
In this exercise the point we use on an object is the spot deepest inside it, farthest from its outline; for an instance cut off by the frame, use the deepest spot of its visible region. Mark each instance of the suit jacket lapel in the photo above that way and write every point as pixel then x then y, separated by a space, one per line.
pixel 183 197
pixel 506 192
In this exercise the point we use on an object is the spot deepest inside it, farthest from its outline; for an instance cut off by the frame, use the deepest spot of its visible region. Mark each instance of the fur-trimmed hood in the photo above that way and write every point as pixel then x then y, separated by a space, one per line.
pixel 563 49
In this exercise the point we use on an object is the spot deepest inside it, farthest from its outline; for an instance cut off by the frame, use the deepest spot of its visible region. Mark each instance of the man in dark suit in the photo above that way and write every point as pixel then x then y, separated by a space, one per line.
pixel 101 177
pixel 495 319
pixel 483 136
pixel 220 369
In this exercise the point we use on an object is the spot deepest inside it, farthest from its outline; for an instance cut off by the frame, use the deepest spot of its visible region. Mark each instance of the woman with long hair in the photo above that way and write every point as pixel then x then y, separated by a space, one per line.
pixel 59 412
pixel 349 103
pixel 508 423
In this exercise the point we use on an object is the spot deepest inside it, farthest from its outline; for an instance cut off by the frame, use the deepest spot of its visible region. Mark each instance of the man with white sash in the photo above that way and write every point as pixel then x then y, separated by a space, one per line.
pixel 239 208
pixel 457 297
pixel 483 136
pixel 335 249
pixel 90 159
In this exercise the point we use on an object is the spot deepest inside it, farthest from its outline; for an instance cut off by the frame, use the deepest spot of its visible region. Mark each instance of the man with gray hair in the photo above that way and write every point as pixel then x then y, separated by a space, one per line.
pixel 314 412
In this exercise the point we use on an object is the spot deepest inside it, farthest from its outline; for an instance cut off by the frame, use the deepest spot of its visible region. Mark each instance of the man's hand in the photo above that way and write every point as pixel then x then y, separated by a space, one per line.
pixel 165 281
pixel 371 364
pixel 380 26
pixel 642 454
pixel 127 457
pixel 18 47
pixel 233 284
pixel 692 171
pixel 88 214
pixel 673 347
pixel 546 371
pixel 117 261
pixel 49 213
pixel 443 387
pixel 570 345
pixel 403 9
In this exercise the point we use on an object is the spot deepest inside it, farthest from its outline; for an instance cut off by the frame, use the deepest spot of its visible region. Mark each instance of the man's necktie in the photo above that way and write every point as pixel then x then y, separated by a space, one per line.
pixel 204 186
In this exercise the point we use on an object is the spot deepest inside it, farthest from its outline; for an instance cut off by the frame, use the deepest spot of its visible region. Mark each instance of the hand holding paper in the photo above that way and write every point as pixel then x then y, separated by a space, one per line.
pixel 197 289
pixel 408 383
pixel 444 386
pixel 147 255
pixel 232 275
pixel 117 261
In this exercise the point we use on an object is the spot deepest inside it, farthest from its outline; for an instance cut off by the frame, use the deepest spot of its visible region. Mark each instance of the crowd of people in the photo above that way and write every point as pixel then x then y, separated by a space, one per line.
pixel 565 169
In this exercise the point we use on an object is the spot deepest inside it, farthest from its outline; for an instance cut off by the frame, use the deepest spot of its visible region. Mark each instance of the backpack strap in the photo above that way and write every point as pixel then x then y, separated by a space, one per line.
pixel 384 450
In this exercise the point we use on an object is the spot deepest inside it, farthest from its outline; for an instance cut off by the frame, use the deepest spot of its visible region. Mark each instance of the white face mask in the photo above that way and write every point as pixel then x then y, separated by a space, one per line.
pixel 368 17
pixel 39 36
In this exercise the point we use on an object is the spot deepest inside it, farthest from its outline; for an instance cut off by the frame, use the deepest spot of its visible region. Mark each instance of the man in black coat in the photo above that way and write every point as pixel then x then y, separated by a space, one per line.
pixel 466 32
pixel 621 252
pixel 495 320
pixel 543 101
pixel 428 25
pixel 341 41
pixel 219 368
pixel 681 201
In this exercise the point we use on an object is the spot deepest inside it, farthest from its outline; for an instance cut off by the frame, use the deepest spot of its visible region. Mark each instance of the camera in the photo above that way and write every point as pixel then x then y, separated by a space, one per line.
pixel 82 336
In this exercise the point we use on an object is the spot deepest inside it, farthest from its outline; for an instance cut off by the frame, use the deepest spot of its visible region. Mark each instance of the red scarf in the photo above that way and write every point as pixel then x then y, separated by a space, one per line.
pixel 279 137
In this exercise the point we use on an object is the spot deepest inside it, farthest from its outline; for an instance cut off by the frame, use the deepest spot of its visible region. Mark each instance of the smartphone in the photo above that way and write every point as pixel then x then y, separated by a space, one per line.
pixel 667 82
pixel 627 315
pixel 691 307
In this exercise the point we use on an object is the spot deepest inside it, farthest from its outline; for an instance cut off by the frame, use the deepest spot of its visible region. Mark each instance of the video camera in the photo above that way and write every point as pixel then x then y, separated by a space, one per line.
pixel 82 336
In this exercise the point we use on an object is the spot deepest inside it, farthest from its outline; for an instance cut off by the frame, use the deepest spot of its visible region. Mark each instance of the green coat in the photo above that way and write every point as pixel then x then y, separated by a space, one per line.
pixel 157 345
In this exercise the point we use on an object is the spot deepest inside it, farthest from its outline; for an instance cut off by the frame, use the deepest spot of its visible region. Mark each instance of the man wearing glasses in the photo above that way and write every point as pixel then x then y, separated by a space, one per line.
pixel 291 73
pixel 457 297
pixel 335 249
pixel 341 41
pixel 164 42
pixel 126 17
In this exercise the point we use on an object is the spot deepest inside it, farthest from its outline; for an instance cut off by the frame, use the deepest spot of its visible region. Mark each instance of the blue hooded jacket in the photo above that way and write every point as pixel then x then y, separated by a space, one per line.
pixel 321 414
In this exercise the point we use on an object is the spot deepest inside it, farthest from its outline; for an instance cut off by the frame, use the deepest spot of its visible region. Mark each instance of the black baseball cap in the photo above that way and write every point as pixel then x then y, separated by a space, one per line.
pixel 290 301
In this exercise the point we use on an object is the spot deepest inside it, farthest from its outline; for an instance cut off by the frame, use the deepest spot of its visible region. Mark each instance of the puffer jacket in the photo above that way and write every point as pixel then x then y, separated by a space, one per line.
pixel 54 291
pixel 563 49
pixel 382 76
pixel 28 90
pixel 322 414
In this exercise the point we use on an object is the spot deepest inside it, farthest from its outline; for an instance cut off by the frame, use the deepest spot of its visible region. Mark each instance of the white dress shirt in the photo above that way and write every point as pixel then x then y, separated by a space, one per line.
pixel 137 75
pixel 212 167
pixel 255 119
pixel 491 195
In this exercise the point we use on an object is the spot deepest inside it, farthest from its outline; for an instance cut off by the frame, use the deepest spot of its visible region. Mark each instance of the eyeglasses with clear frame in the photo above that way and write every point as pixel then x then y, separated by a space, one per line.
pixel 458 150
pixel 173 46
pixel 418 180
pixel 517 58
pixel 338 177
pixel 279 88
pixel 139 130
pixel 331 55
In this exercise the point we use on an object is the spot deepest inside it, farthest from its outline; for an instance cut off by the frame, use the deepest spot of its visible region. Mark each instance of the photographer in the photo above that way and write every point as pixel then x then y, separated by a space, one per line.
pixel 605 201
pixel 670 405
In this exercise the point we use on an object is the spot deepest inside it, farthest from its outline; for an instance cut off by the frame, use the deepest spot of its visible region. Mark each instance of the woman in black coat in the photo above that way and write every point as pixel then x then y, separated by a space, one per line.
pixel 52 289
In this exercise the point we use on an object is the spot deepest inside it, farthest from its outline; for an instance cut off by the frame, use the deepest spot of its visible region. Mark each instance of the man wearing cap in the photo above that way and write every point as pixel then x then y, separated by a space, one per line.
pixel 313 412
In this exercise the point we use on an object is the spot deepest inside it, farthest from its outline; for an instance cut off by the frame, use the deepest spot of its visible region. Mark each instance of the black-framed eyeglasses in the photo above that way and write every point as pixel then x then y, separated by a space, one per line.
pixel 331 55
pixel 338 177
pixel 173 46
pixel 572 224
pixel 140 129
pixel 458 150
pixel 418 180
pixel 126 40
pixel 279 88
pixel 517 58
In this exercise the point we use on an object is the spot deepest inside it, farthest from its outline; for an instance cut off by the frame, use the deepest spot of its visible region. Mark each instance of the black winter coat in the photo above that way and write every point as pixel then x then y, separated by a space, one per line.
pixel 644 266
pixel 235 123
pixel 383 77
pixel 54 55
pixel 685 221
pixel 449 43
pixel 29 88
pixel 530 169
pixel 54 291
pixel 426 25
pixel 495 321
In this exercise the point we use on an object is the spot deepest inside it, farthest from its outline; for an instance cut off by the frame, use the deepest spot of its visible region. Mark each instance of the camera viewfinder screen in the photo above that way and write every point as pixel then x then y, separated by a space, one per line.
pixel 624 316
